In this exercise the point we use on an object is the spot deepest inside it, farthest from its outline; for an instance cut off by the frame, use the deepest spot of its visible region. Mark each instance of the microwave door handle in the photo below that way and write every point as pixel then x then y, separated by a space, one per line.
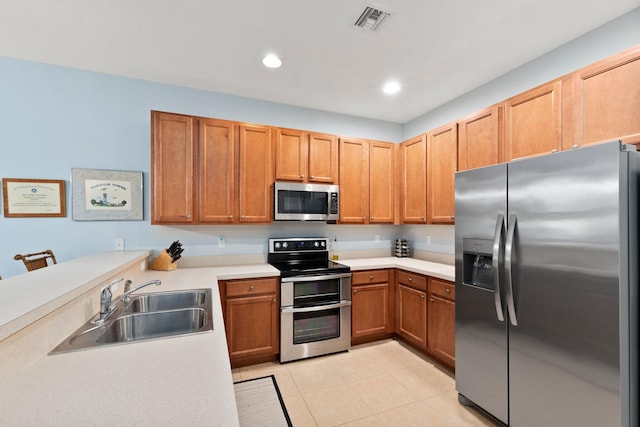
pixel 341 304
pixel 495 261
pixel 508 260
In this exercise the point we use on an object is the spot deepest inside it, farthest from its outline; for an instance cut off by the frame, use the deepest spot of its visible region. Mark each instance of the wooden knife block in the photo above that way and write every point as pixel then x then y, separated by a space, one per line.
pixel 163 262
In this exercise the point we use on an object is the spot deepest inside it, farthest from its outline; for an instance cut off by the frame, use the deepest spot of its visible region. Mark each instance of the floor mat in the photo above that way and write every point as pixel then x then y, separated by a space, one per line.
pixel 260 403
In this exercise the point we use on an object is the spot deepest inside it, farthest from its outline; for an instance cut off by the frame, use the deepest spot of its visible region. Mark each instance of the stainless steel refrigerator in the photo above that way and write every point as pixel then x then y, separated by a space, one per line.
pixel 547 288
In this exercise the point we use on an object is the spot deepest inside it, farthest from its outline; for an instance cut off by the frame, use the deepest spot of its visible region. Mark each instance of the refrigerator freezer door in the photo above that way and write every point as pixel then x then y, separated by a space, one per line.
pixel 564 358
pixel 481 335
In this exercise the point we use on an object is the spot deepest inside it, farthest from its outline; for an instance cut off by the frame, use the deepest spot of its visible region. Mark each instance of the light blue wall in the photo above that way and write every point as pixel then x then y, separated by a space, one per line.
pixel 611 38
pixel 53 119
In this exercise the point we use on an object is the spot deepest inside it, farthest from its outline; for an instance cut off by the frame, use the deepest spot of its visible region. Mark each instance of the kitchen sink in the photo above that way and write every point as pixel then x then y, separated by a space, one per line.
pixel 166 301
pixel 146 317
pixel 142 326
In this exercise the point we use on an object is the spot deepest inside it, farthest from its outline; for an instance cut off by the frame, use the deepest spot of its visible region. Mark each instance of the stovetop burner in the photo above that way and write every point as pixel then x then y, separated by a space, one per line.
pixel 303 256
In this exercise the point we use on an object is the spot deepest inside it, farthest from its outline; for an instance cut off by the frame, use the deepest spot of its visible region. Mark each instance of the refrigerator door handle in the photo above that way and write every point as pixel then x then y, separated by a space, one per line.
pixel 495 261
pixel 508 258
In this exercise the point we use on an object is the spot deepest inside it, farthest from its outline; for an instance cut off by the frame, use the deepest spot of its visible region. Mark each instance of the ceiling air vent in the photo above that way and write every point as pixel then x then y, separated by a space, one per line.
pixel 371 19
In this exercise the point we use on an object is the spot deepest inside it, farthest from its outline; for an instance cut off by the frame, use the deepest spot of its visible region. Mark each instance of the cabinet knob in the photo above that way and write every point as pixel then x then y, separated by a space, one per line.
pixel 431 299
pixel 448 290
pixel 187 216
pixel 554 150
pixel 422 296
pixel 355 291
pixel 301 176
pixel 363 218
pixel 241 216
pixel 422 218
pixel 371 218
pixel 230 216
pixel 574 146
pixel 410 279
pixel 251 287
pixel 274 300
pixel 370 277
pixel 453 217
pixel 311 177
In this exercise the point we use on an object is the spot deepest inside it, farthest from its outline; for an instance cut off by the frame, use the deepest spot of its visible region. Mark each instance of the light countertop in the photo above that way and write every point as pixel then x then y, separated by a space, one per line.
pixel 172 381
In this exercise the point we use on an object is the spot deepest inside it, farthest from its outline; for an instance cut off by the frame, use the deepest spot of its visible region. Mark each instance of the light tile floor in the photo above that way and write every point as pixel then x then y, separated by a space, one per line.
pixel 385 384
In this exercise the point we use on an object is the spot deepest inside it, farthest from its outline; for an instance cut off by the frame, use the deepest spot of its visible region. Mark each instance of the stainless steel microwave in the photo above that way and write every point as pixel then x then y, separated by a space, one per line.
pixel 306 202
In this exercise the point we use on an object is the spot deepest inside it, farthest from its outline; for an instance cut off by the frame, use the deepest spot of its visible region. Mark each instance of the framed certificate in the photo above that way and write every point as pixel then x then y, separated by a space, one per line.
pixel 33 198
pixel 106 195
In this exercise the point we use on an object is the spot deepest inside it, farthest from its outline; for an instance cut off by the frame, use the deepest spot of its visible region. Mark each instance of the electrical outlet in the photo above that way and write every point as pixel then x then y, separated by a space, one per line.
pixel 377 238
pixel 428 240
pixel 119 244
pixel 222 242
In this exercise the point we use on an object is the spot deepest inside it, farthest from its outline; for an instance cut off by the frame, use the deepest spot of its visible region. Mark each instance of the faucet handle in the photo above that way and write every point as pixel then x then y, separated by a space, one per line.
pixel 112 284
pixel 127 285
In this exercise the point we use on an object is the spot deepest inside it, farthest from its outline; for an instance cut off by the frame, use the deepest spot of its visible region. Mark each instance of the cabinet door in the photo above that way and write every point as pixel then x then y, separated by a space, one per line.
pixel 370 310
pixel 442 160
pixel 291 155
pixel 533 122
pixel 412 315
pixel 252 326
pixel 480 141
pixel 255 196
pixel 172 147
pixel 354 181
pixel 216 171
pixel 323 158
pixel 607 99
pixel 381 182
pixel 442 328
pixel 413 185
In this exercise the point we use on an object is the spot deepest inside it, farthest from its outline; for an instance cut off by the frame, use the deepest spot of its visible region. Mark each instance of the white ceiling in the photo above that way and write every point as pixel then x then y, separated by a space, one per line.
pixel 438 50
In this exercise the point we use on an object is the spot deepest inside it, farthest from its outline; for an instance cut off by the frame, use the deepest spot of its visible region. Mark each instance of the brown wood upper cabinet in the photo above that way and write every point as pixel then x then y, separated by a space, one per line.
pixel 533 122
pixel 606 100
pixel 209 171
pixel 480 138
pixel 366 181
pixel 306 156
pixel 173 145
pixel 442 163
pixel 413 180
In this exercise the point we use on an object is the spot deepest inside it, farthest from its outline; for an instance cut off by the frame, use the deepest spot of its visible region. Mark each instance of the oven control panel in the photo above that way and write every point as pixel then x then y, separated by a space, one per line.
pixel 299 245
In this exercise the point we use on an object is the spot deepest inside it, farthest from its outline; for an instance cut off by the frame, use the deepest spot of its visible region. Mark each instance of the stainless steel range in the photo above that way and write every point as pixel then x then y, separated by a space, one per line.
pixel 315 298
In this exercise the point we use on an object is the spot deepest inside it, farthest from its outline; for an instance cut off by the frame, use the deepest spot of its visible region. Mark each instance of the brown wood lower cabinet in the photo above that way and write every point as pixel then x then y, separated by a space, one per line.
pixel 372 311
pixel 251 319
pixel 442 320
pixel 411 308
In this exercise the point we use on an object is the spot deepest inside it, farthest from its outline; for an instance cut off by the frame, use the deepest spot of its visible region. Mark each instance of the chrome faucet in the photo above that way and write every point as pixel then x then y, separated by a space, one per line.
pixel 106 307
pixel 108 304
pixel 127 285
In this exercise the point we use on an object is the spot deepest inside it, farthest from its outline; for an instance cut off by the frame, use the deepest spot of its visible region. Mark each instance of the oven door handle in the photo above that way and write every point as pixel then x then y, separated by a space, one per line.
pixel 315 278
pixel 341 304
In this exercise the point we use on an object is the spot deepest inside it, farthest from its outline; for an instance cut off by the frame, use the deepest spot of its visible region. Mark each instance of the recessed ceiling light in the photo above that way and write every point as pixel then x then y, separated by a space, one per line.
pixel 391 88
pixel 271 61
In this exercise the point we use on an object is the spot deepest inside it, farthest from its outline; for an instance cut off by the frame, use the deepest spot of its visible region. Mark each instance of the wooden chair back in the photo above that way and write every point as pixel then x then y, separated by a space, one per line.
pixel 36 260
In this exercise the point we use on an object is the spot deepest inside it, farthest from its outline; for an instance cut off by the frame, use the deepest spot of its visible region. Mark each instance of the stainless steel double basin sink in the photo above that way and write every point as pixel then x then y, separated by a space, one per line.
pixel 146 317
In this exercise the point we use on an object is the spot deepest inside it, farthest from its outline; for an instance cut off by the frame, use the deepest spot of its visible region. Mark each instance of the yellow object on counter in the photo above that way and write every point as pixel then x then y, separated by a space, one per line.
pixel 163 262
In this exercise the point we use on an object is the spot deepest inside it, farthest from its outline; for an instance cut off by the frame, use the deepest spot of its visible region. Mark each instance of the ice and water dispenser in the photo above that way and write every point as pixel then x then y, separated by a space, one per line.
pixel 477 264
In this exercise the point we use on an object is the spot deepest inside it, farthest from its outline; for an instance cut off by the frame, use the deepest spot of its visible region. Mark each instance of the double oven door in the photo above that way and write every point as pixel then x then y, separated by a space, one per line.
pixel 315 315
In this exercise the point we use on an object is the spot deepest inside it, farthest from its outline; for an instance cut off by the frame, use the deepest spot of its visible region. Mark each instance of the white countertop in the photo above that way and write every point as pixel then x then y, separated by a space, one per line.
pixel 435 269
pixel 174 381
pixel 182 380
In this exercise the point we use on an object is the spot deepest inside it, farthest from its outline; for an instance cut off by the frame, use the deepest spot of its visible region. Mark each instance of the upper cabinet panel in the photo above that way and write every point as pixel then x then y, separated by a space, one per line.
pixel 306 157
pixel 413 180
pixel 323 158
pixel 533 122
pixel 255 192
pixel 354 181
pixel 442 163
pixel 172 150
pixel 607 100
pixel 480 139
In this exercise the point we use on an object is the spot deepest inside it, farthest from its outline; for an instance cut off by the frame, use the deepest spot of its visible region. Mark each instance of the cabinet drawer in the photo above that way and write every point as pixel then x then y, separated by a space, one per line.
pixel 251 287
pixel 442 288
pixel 369 276
pixel 412 280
